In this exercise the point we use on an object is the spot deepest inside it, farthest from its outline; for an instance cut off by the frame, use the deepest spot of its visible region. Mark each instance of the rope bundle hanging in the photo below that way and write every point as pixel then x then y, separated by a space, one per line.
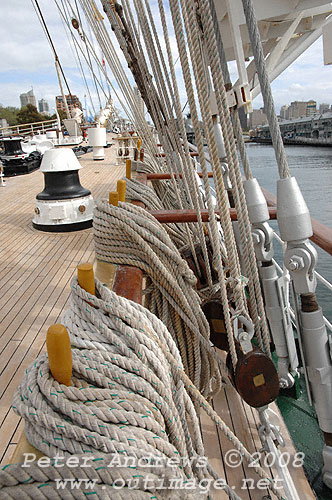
pixel 129 235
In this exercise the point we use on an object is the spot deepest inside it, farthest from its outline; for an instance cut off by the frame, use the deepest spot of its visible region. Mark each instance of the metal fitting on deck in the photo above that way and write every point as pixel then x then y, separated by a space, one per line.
pixel 293 215
pixel 327 469
pixel 318 365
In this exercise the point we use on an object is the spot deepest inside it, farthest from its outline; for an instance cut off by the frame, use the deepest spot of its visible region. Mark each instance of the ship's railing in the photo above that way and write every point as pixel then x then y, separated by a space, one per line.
pixel 28 128
pixel 319 277
pixel 322 237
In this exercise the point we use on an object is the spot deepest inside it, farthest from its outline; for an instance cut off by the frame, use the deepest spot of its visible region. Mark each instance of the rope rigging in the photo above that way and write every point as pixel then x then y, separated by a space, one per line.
pixel 140 373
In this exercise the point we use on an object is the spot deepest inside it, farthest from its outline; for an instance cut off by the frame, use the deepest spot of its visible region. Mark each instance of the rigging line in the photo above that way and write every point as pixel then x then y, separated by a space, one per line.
pixel 98 34
pixel 84 40
pixel 257 309
pixel 81 50
pixel 257 50
pixel 227 78
pixel 98 67
pixel 119 73
pixel 95 56
pixel 94 76
pixel 117 68
pixel 89 57
pixel 76 57
pixel 149 31
pixel 42 20
pixel 161 93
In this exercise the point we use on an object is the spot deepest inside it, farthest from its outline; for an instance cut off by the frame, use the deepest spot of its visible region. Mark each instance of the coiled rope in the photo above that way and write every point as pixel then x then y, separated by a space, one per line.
pixel 129 235
pixel 129 396
pixel 135 190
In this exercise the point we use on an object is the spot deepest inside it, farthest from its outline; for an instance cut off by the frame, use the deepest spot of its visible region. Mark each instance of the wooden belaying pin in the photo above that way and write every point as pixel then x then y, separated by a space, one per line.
pixel 121 189
pixel 86 277
pixel 59 353
pixel 139 143
pixel 113 198
pixel 128 168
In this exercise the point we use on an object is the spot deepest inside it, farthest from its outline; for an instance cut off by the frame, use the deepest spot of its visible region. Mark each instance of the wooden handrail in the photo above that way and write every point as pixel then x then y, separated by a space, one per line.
pixel 322 235
pixel 19 125
pixel 128 280
pixel 165 176
pixel 190 215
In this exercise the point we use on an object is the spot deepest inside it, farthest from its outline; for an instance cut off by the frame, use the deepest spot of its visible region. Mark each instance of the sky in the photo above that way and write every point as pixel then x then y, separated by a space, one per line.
pixel 27 61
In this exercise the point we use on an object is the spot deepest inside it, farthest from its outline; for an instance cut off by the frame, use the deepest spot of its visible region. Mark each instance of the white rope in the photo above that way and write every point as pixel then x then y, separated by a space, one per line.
pixel 129 235
pixel 256 300
pixel 221 197
pixel 129 396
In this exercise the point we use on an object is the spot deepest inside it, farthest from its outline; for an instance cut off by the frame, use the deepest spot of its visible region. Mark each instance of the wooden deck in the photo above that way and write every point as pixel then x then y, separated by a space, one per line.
pixel 35 273
pixel 34 288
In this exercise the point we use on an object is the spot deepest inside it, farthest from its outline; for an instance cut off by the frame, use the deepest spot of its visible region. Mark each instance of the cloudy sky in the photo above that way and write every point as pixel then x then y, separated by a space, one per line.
pixel 26 61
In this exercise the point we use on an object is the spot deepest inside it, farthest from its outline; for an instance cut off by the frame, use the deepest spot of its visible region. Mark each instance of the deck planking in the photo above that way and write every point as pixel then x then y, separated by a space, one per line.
pixel 34 288
pixel 35 275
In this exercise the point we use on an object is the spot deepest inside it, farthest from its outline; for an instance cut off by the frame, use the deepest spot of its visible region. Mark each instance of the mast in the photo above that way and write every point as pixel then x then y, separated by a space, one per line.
pixel 61 88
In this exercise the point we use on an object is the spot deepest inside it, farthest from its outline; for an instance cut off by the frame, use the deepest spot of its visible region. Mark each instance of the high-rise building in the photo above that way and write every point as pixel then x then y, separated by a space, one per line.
pixel 311 108
pixel 28 98
pixel 43 106
pixel 324 108
pixel 297 109
pixel 72 102
pixel 284 111
pixel 3 123
pixel 256 118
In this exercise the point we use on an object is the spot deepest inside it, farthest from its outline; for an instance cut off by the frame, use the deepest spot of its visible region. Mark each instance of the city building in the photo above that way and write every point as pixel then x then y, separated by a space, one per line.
pixel 284 112
pixel 43 107
pixel 311 108
pixel 3 123
pixel 72 102
pixel 28 98
pixel 257 118
pixel 324 108
pixel 297 109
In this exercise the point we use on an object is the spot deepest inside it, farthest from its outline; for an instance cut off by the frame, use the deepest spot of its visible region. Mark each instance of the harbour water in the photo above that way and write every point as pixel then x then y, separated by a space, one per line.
pixel 312 167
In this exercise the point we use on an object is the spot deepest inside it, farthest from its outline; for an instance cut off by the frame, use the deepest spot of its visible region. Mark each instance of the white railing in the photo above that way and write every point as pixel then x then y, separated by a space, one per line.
pixel 28 128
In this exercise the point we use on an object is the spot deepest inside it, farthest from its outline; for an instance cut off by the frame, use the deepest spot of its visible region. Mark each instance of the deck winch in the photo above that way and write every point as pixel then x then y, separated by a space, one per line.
pixel 63 205
pixel 15 161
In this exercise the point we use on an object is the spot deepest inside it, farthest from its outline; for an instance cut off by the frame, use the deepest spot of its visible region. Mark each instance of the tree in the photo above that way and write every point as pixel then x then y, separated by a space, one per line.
pixel 29 114
pixel 10 114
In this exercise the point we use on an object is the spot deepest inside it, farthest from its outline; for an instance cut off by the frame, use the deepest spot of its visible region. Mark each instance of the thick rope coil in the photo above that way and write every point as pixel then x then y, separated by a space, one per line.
pixel 129 399
pixel 130 235
pixel 135 190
